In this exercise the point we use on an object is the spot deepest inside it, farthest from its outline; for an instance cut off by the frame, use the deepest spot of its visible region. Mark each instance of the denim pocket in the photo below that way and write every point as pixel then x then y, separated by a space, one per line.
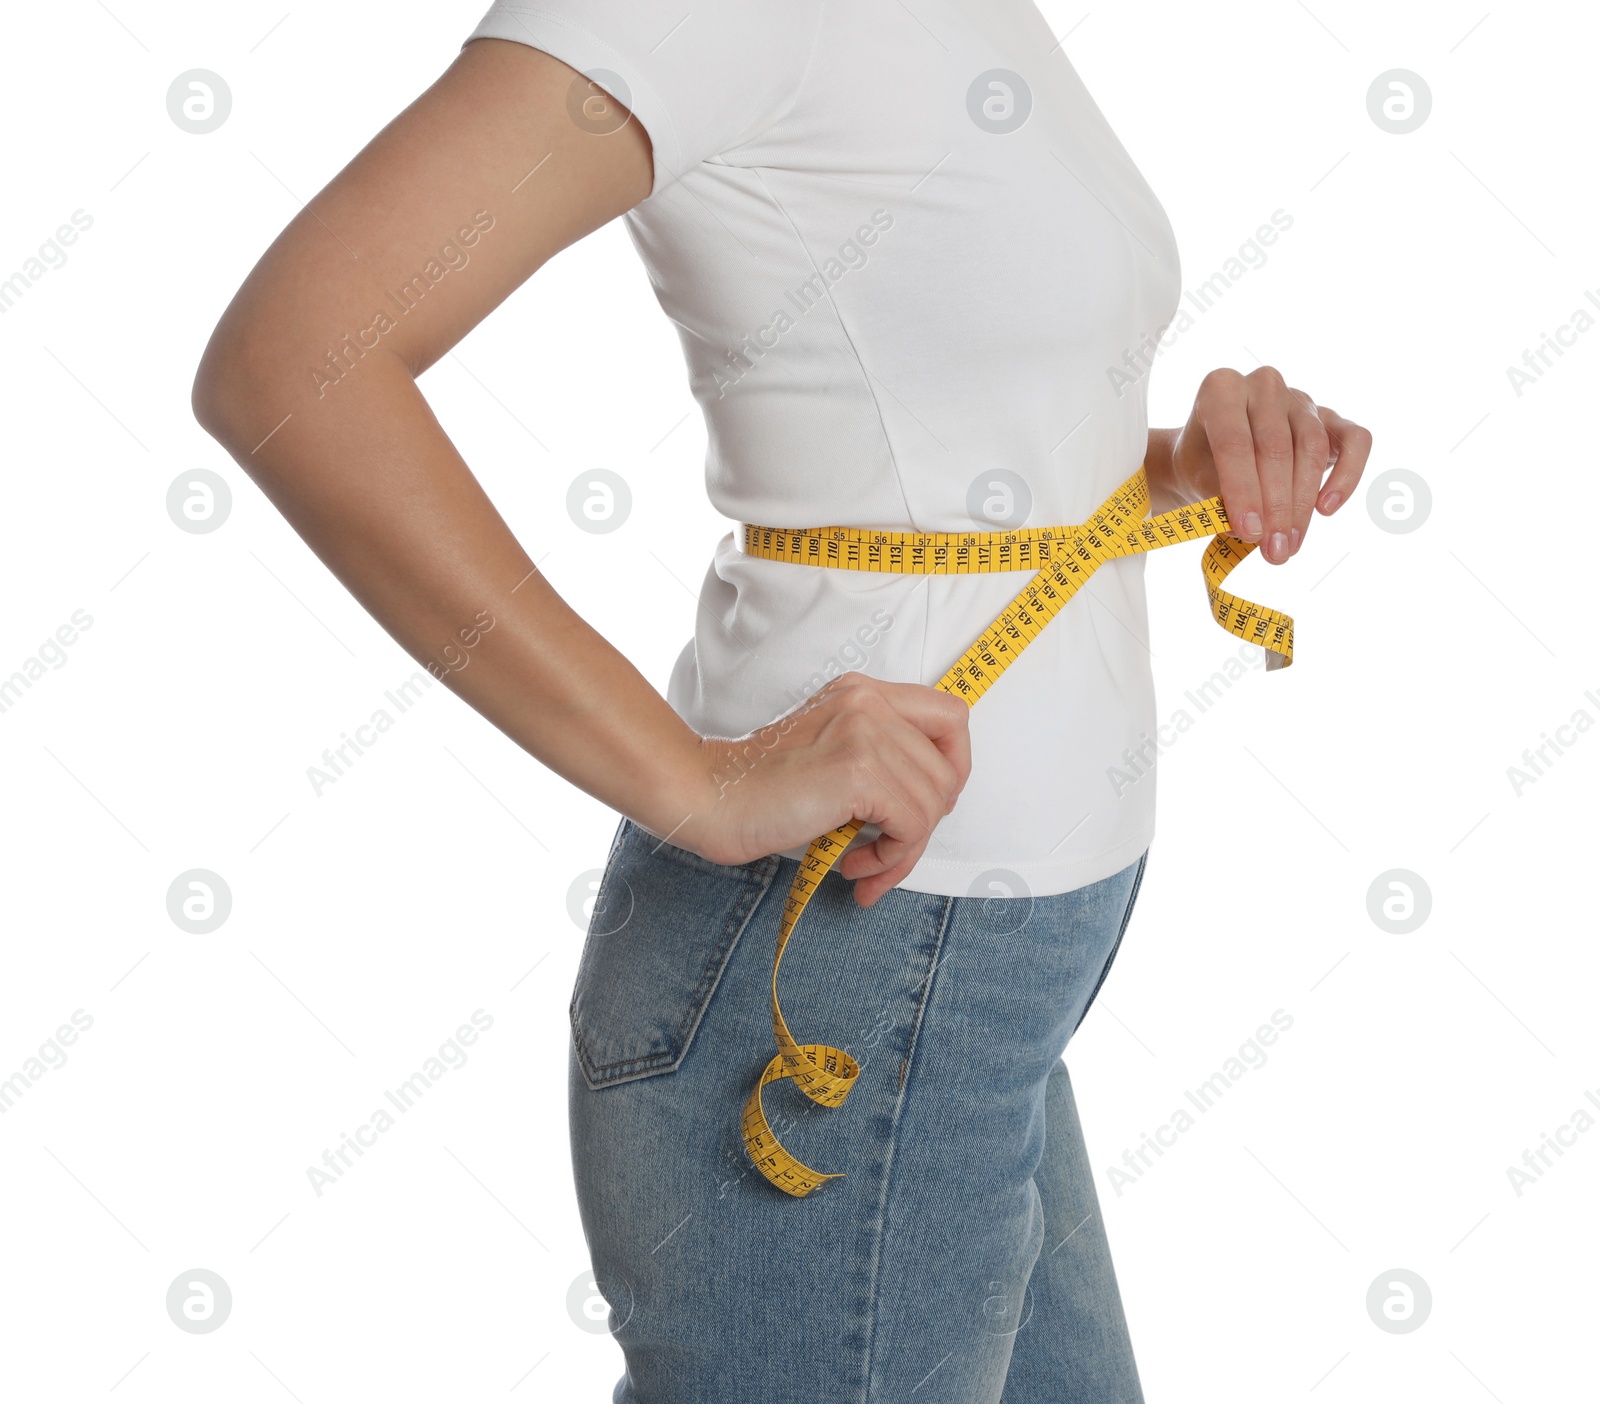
pixel 664 923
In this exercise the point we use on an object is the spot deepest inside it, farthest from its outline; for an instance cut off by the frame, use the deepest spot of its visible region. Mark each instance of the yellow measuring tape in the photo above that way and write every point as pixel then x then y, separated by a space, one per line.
pixel 1064 558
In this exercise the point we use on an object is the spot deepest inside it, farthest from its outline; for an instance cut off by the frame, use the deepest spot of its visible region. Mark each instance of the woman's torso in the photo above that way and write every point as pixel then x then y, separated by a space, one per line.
pixel 916 286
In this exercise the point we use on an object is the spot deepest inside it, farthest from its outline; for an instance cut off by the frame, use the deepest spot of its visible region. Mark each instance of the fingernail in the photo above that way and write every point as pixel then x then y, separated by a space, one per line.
pixel 1294 540
pixel 1330 500
pixel 1252 525
pixel 1278 547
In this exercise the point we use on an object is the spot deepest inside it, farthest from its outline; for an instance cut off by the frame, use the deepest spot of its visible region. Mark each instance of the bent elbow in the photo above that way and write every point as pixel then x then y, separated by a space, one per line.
pixel 220 397
pixel 205 398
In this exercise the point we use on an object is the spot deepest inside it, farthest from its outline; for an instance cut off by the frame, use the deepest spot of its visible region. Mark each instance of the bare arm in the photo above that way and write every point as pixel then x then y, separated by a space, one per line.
pixel 476 184
pixel 357 462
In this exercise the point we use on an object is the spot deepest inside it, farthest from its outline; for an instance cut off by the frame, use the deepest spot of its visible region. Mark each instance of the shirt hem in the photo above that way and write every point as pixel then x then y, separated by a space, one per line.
pixel 954 877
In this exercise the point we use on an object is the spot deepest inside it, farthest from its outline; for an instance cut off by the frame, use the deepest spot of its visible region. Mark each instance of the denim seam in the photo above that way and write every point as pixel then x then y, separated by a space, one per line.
pixel 1127 915
pixel 757 878
pixel 888 1164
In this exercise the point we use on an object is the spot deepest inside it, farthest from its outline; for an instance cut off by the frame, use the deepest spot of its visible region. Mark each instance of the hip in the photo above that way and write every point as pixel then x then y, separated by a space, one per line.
pixel 957 1009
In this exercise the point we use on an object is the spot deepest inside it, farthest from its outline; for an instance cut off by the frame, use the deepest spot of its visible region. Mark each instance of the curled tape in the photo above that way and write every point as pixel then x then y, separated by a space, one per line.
pixel 1063 557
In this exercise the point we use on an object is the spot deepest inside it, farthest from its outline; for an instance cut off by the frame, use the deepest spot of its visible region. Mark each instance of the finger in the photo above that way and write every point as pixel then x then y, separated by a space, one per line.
pixel 907 786
pixel 955 745
pixel 862 862
pixel 868 890
pixel 915 800
pixel 1221 409
pixel 1311 459
pixel 1268 406
pixel 935 738
pixel 882 854
pixel 1353 445
pixel 938 715
pixel 892 774
pixel 931 781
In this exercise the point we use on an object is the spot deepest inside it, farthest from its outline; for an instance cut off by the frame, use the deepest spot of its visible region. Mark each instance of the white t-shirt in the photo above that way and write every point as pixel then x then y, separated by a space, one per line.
pixel 908 260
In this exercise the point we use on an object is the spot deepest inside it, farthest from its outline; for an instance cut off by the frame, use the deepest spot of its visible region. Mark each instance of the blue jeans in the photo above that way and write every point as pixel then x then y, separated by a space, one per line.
pixel 962 1259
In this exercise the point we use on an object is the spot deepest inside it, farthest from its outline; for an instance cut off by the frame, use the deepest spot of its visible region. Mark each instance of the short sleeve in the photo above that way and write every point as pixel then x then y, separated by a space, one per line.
pixel 701 79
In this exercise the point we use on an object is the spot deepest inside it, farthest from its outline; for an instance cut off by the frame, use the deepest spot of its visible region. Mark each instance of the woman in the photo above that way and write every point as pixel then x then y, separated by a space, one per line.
pixel 918 283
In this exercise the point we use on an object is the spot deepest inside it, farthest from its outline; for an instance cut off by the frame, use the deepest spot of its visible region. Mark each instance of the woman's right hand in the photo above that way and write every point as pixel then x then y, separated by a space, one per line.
pixel 892 754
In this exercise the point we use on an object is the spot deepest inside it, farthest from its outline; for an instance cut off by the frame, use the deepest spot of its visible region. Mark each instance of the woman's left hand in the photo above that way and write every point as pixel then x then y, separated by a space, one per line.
pixel 1264 447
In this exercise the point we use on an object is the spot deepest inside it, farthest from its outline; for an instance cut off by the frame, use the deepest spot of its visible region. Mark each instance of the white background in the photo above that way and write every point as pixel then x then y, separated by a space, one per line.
pixel 433 879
